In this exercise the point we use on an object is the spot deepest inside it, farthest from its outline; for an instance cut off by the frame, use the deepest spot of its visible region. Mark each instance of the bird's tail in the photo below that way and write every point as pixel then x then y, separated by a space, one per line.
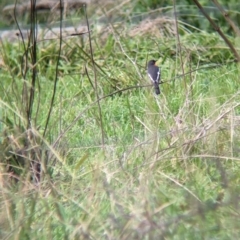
pixel 157 89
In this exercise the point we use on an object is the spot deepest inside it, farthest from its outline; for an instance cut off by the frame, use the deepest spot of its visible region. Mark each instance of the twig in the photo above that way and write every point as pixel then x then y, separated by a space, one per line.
pixel 56 71
pixel 227 18
pixel 215 26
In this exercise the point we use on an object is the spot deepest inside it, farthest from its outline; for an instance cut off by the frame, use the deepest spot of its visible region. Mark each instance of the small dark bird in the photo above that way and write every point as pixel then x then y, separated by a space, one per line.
pixel 154 74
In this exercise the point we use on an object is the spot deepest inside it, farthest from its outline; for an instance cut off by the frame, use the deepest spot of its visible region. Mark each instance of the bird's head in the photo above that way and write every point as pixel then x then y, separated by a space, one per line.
pixel 151 63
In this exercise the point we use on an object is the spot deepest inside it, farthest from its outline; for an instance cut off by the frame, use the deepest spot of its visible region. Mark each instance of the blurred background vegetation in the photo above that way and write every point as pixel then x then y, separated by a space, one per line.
pixel 133 11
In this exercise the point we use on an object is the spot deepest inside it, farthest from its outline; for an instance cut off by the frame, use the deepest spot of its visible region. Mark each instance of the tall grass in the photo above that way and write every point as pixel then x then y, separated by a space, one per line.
pixel 168 166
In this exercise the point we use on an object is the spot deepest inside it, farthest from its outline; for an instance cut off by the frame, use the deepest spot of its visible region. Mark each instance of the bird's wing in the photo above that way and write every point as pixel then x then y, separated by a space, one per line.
pixel 155 75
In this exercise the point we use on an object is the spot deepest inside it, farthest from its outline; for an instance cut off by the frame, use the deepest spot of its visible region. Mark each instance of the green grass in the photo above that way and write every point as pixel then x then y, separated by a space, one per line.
pixel 169 164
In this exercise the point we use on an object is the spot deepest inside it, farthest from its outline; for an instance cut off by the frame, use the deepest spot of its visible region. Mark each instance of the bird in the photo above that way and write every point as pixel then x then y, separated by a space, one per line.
pixel 154 74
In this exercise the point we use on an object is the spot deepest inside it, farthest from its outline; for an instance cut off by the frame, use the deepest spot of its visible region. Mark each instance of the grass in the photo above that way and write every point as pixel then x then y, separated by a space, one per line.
pixel 168 167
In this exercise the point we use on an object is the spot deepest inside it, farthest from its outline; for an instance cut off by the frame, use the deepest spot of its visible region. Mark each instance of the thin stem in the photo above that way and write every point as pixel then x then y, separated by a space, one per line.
pixel 95 76
pixel 179 45
pixel 56 71
pixel 215 26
